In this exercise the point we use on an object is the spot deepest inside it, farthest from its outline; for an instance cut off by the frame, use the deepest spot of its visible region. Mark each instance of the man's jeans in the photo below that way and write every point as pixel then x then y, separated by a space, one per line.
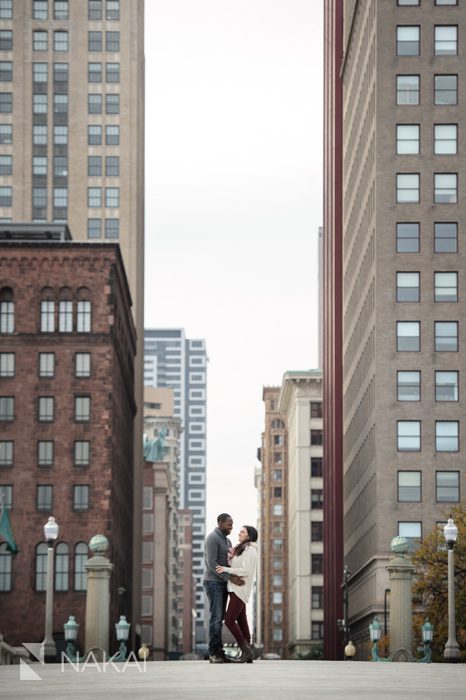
pixel 217 594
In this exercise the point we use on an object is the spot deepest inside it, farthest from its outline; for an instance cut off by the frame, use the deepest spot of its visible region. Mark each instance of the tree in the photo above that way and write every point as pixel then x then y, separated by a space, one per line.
pixel 430 587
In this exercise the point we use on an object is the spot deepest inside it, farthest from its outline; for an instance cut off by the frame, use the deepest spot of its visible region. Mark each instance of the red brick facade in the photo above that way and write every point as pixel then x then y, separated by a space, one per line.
pixel 74 272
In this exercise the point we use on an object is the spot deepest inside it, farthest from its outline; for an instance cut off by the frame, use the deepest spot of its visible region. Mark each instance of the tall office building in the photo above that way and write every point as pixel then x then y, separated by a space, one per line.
pixel 394 76
pixel 172 360
pixel 72 137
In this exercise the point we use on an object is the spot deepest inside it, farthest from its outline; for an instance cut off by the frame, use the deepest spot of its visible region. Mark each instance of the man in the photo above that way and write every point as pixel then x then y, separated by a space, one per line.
pixel 215 585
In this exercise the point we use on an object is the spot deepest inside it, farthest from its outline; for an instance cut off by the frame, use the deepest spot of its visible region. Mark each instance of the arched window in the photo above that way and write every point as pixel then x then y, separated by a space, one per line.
pixel 41 567
pixel 62 567
pixel 278 424
pixel 47 311
pixel 7 310
pixel 5 568
pixel 80 575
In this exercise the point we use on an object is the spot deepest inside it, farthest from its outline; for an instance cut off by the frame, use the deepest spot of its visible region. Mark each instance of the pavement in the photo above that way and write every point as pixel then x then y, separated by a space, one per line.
pixel 262 680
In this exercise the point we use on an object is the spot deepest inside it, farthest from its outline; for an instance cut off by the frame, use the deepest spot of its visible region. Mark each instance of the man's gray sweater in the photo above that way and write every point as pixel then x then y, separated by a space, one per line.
pixel 216 552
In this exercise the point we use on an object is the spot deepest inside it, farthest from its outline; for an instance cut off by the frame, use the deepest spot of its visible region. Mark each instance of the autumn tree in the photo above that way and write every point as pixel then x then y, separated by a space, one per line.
pixel 430 587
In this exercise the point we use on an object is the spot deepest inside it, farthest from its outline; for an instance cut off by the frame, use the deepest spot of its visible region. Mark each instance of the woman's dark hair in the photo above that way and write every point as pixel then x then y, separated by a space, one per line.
pixel 252 537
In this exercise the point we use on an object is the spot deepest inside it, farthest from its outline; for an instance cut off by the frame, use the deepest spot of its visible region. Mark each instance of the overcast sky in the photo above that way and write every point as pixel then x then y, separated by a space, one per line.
pixel 233 206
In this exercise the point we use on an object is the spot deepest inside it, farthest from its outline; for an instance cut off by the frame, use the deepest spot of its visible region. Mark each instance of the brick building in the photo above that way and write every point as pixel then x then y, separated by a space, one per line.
pixel 67 345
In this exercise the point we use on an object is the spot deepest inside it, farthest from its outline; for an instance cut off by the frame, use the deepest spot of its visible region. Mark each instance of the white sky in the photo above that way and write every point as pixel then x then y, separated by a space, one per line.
pixel 233 206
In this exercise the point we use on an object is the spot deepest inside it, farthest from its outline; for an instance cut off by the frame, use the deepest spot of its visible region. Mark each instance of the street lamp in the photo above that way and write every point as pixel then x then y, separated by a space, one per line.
pixel 50 534
pixel 451 652
pixel 71 634
pixel 122 634
pixel 375 633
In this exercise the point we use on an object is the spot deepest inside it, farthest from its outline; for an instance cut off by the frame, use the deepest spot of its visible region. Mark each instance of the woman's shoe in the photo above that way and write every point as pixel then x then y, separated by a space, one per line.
pixel 247 656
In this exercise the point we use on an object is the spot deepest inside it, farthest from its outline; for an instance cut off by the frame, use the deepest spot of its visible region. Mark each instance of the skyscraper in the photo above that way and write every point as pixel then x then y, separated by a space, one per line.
pixel 172 360
pixel 395 318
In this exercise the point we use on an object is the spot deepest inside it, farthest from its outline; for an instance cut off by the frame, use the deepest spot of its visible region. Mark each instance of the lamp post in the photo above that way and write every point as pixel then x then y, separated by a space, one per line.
pixel 427 636
pixel 50 534
pixel 122 634
pixel 374 633
pixel 451 652
pixel 71 634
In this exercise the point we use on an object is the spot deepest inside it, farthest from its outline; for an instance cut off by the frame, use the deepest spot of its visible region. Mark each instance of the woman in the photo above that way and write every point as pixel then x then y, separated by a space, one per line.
pixel 243 563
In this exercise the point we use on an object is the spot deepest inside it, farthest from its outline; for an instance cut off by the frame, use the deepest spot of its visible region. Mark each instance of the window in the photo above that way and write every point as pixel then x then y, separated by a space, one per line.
pixel 445 41
pixel 94 10
pixel 60 104
pixel 112 135
pixel 277 475
pixel 317 499
pixel 112 10
pixel 112 197
pixel 445 139
pixel 60 135
pixel 408 40
pixel 6 40
pixel 317 531
pixel 446 336
pixel 317 564
pixel 446 2
pixel 41 567
pixel 317 630
pixel 39 135
pixel 60 9
pixel 407 89
pixel 39 165
pixel 65 317
pixel 446 385
pixel 94 103
pixel 44 497
pixel 316 467
pixel 82 453
pixel 45 453
pixel 39 72
pixel 445 188
pixel 5 567
pixel 6 134
pixel 445 89
pixel 6 71
pixel 112 72
pixel 46 409
pixel 7 364
pixel 39 104
pixel 94 166
pixel 317 598
pixel 408 385
pixel 6 102
pixel 7 311
pixel 60 72
pixel 411 530
pixel 40 9
pixel 277 509
pixel 6 453
pixel 407 139
pixel 277 492
pixel 94 72
pixel 112 166
pixel 60 197
pixel 82 364
pixel 112 41
pixel 47 316
pixel 6 9
pixel 39 41
pixel 80 575
pixel 94 41
pixel 445 237
pixel 6 165
pixel 94 196
pixel 447 436
pixel 60 166
pixel 112 228
pixel 94 228
pixel 409 435
pixel 407 286
pixel 84 317
pixel 46 364
pixel 316 437
pixel 112 104
pixel 6 495
pixel 80 497
pixel 316 409
pixel 61 567
pixel 82 408
pixel 94 135
pixel 60 41
pixel 7 408
pixel 409 486
pixel 447 487
pixel 407 188
pixel 446 286
pixel 408 336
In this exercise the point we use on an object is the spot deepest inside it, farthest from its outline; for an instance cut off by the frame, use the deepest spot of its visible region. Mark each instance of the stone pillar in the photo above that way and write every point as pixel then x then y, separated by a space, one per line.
pixel 401 572
pixel 98 570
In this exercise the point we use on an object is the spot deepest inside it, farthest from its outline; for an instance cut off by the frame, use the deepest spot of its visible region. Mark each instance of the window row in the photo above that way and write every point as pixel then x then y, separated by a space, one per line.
pixel 95 134
pixel 40 40
pixel 408 89
pixel 445 237
pixel 65 316
pixel 408 336
pixel 447 486
pixel 409 385
pixel 95 103
pixel 46 362
pixel 95 166
pixel 111 228
pixel 405 3
pixel 95 197
pixel 408 188
pixel 446 436
pixel 81 453
pixel 95 72
pixel 96 9
pixel 40 72
pixel 408 287
pixel 40 104
pixel 445 139
pixel 408 40
pixel 46 409
pixel 40 9
pixel 44 496
pixel 95 41
pixel 62 574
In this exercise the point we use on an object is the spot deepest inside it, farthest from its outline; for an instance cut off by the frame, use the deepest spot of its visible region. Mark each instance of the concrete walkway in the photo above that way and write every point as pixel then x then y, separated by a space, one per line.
pixel 263 680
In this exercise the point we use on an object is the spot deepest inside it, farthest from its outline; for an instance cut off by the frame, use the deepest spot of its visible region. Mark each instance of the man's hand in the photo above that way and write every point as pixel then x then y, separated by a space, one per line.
pixel 237 580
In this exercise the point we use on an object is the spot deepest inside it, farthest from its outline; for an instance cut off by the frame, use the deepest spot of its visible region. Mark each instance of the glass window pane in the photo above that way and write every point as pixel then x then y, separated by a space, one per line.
pixel 407 237
pixel 407 40
pixel 447 487
pixel 445 139
pixel 446 39
pixel 408 336
pixel 407 187
pixel 446 436
pixel 446 89
pixel 407 89
pixel 446 286
pixel 446 386
pixel 409 435
pixel 445 237
pixel 409 486
pixel 446 336
pixel 407 286
pixel 445 188
pixel 409 386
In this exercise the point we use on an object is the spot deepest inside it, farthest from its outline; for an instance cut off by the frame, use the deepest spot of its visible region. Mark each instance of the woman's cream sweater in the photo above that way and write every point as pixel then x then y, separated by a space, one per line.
pixel 244 566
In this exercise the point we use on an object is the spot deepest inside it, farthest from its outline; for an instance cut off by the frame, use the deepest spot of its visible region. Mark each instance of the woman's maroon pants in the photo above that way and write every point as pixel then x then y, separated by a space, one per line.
pixel 236 620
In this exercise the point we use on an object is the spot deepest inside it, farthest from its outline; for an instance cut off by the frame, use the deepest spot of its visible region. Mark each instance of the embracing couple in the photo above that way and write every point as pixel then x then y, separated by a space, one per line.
pixel 229 573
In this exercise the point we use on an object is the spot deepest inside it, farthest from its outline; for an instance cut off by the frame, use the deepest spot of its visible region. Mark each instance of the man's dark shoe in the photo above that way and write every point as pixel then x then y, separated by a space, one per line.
pixel 216 659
